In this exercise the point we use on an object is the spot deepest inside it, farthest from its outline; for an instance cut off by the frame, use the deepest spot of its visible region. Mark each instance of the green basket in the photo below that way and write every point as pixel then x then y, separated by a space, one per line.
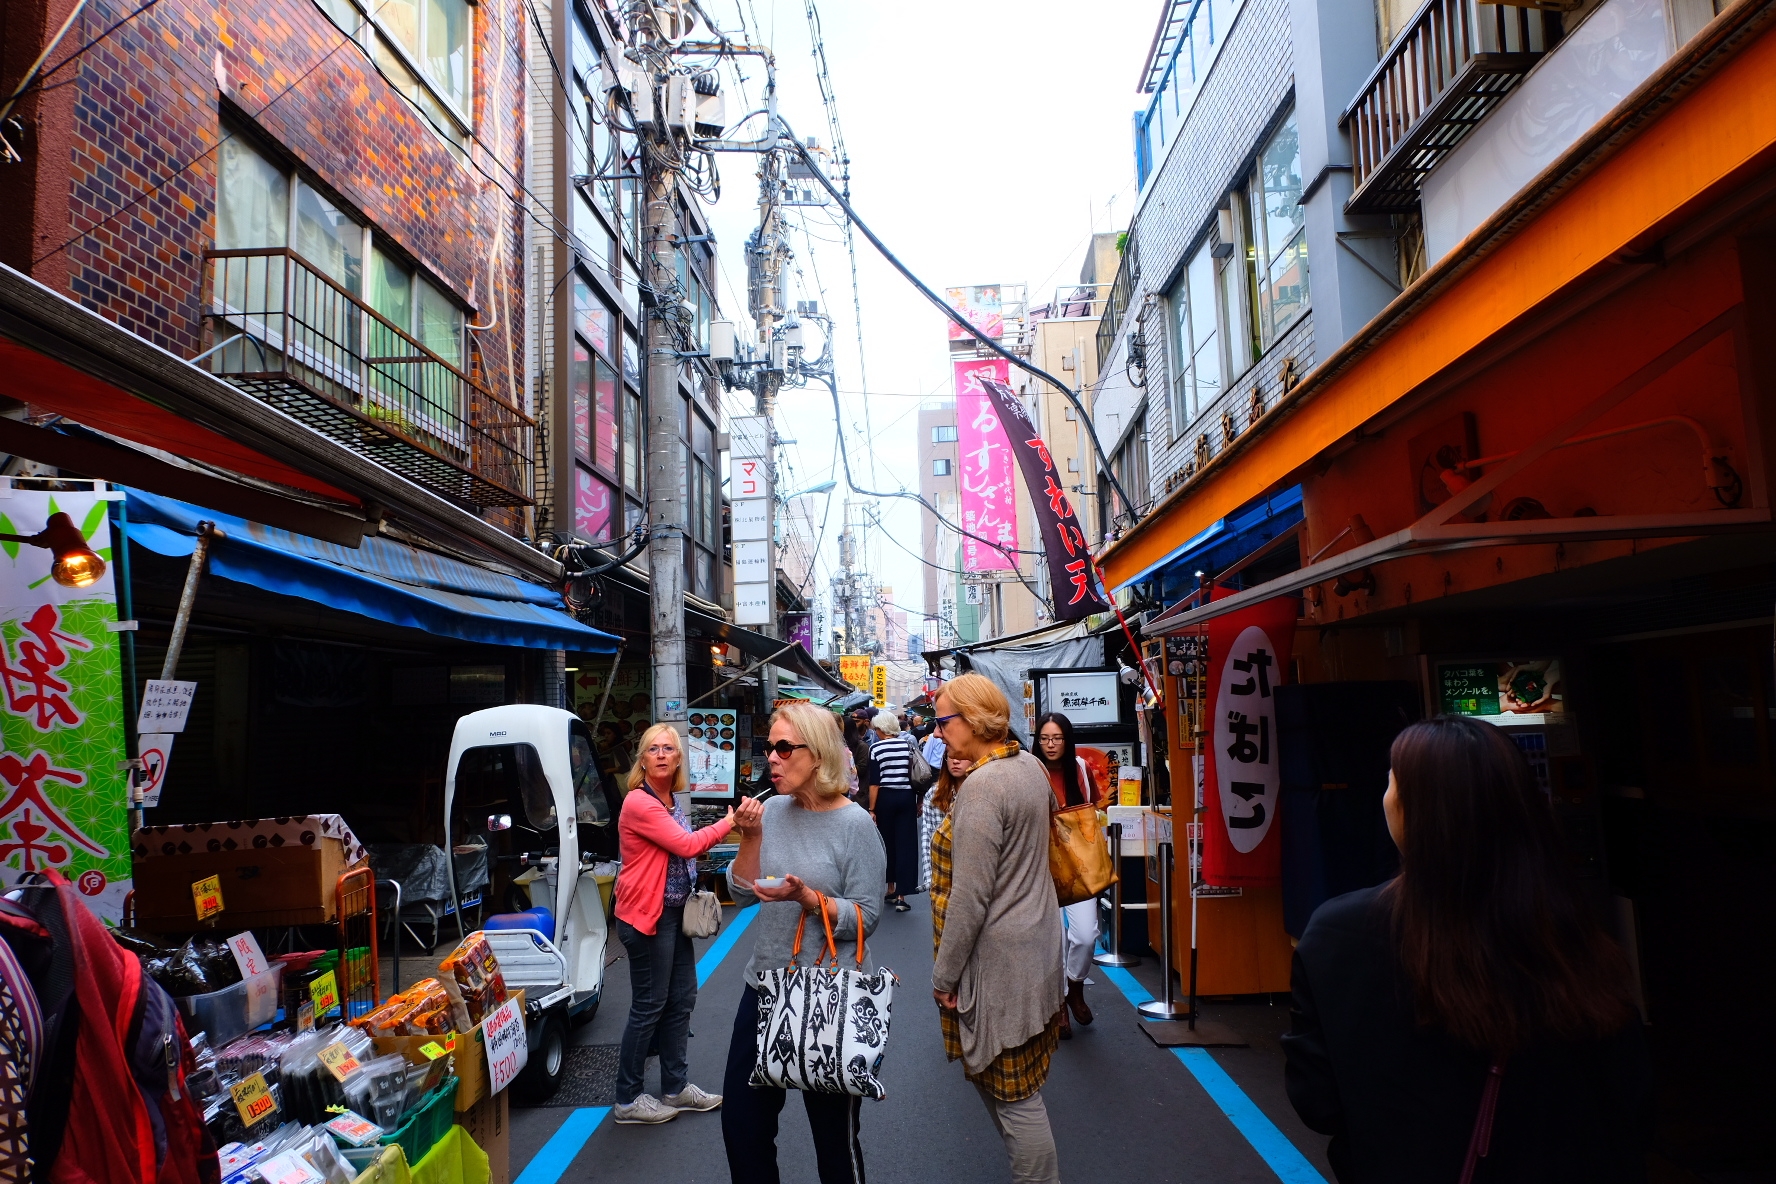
pixel 429 1122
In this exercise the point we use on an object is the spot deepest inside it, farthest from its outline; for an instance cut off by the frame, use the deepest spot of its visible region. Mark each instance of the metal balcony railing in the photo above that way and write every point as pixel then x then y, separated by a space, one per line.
pixel 283 331
pixel 1115 305
pixel 1452 64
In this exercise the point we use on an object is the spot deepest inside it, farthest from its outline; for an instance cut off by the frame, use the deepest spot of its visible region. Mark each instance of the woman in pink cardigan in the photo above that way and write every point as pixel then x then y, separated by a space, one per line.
pixel 659 870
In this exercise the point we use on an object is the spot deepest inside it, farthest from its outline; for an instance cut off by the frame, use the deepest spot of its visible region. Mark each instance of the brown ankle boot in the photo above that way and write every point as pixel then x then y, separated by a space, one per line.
pixel 1076 1002
pixel 1066 1025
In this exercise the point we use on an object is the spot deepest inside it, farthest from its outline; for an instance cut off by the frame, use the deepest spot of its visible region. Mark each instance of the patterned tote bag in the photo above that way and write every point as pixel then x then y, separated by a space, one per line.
pixel 824 1028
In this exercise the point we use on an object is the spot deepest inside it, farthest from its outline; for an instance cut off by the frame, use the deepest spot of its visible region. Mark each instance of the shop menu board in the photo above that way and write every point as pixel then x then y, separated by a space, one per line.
pixel 63 794
pixel 711 742
pixel 626 715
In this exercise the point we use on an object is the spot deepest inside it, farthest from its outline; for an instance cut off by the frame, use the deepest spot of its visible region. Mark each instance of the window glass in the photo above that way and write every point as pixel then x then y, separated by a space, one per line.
pixel 446 58
pixel 507 773
pixel 702 439
pixel 604 390
pixel 591 808
pixel 1205 351
pixel 940 467
pixel 592 317
pixel 632 442
pixel 400 20
pixel 1279 174
pixel 1178 356
pixel 440 324
pixel 579 384
pixel 634 515
pixel 592 506
pixel 631 358
pixel 252 199
pixel 391 290
pixel 944 434
pixel 329 239
pixel 631 283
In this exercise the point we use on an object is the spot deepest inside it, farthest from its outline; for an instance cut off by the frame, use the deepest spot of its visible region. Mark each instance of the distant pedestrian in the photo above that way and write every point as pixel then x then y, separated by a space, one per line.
pixel 659 869
pixel 1470 1012
pixel 996 924
pixel 1073 784
pixel 895 807
pixel 857 749
pixel 818 845
pixel 935 803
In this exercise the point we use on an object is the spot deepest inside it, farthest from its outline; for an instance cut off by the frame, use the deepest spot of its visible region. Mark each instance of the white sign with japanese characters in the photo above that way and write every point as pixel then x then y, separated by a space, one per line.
pixel 507 1049
pixel 1089 697
pixel 1247 765
pixel 166 705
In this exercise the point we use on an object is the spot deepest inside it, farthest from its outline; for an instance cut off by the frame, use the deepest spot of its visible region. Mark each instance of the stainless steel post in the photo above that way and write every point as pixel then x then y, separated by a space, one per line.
pixel 1166 1006
pixel 1116 957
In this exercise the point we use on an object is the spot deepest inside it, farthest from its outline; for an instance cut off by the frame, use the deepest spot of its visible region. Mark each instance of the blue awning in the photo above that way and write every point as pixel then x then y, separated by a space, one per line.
pixel 383 579
pixel 1226 540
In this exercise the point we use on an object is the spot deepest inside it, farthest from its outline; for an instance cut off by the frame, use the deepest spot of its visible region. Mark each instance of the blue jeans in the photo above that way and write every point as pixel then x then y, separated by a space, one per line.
pixel 663 993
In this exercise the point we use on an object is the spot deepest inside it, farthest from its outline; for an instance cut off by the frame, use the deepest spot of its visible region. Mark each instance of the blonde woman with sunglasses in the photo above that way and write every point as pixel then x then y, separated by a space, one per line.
pixel 807 847
pixel 659 870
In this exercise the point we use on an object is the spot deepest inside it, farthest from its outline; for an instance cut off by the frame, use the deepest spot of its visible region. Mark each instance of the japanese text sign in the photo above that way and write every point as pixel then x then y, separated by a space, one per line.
pixel 1084 697
pixel 339 1061
pixel 855 669
pixel 1072 583
pixel 507 1049
pixel 166 705
pixel 984 469
pixel 1248 657
pixel 64 791
pixel 247 955
pixel 324 990
pixel 878 686
pixel 253 1099
pixel 206 896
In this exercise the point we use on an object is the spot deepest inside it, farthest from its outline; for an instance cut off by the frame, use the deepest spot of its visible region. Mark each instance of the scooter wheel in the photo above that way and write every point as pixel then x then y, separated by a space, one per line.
pixel 547 1065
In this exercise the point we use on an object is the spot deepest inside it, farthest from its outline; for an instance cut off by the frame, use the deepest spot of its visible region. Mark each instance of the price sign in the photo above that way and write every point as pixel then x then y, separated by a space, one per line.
pixel 305 1017
pixel 507 1049
pixel 324 991
pixel 247 955
pixel 339 1061
pixel 207 895
pixel 432 1050
pixel 253 1099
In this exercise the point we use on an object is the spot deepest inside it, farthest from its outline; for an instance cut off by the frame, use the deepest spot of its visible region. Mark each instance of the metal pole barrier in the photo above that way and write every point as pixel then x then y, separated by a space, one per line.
pixel 1166 1007
pixel 1193 843
pixel 1116 957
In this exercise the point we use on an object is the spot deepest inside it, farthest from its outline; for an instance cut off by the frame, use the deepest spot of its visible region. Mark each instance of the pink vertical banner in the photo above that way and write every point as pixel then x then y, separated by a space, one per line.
pixel 984 469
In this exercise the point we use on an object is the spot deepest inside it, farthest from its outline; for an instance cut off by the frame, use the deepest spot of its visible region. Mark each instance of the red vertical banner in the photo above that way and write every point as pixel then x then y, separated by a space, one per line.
pixel 984 469
pixel 1242 770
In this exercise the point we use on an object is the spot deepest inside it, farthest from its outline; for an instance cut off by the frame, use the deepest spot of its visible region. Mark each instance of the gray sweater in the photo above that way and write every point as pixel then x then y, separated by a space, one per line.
pixel 838 852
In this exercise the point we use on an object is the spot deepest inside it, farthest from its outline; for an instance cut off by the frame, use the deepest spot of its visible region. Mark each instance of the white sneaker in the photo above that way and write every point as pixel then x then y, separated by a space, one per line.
pixel 692 1098
pixel 644 1109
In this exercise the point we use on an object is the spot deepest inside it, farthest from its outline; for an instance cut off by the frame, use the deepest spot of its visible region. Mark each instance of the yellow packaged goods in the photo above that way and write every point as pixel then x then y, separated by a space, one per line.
pixel 423 1010
pixel 472 979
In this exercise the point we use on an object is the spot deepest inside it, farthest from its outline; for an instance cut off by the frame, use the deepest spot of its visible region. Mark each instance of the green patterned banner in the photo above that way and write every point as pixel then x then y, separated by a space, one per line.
pixel 63 795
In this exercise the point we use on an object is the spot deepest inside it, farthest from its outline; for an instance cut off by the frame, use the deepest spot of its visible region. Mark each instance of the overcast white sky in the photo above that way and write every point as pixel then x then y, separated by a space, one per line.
pixel 987 141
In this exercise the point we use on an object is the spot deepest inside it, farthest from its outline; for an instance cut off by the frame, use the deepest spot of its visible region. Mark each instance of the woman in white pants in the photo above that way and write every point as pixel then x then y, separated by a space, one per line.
pixel 1073 784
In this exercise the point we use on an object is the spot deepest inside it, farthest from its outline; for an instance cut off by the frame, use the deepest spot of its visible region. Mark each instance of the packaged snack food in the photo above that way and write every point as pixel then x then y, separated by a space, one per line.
pixel 471 977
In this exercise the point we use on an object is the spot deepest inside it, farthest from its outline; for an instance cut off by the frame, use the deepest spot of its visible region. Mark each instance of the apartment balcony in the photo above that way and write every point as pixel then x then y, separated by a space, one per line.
pixel 1446 71
pixel 281 330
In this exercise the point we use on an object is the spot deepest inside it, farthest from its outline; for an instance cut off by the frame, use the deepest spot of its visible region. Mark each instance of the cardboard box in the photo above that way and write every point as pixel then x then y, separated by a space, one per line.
pixel 488 1122
pixel 260 886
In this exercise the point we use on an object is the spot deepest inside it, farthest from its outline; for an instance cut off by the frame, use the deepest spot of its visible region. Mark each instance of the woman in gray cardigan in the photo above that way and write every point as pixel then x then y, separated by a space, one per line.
pixel 997 924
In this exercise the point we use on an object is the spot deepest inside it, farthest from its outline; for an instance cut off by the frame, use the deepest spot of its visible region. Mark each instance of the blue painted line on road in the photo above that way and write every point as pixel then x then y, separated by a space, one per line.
pixel 1272 1146
pixel 551 1163
pixel 718 949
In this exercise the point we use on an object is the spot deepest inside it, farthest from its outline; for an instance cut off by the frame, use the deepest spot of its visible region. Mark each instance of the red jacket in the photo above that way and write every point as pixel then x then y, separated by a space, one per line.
pixel 647 833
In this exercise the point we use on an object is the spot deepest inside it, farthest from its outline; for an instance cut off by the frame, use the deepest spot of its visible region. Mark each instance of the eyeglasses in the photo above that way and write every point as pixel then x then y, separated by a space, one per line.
pixel 662 750
pixel 941 720
pixel 783 748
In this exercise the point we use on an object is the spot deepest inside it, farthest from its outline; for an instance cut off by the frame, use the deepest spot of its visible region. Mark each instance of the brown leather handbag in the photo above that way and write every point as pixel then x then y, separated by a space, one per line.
pixel 1078 854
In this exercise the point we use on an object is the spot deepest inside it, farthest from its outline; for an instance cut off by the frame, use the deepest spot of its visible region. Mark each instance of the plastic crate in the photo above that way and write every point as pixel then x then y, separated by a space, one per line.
pixel 430 1121
pixel 235 1010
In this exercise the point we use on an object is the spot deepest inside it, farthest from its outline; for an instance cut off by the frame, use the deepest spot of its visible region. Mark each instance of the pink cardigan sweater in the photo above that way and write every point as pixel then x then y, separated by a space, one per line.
pixel 646 834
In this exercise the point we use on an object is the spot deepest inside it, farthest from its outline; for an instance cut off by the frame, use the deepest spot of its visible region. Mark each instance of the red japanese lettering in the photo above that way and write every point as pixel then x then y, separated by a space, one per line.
pixel 25 779
pixel 1041 451
pixel 1081 579
pixel 32 687
pixel 1057 499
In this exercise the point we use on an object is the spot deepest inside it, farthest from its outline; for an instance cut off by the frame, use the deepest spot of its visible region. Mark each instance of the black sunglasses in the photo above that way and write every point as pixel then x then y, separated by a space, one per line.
pixel 783 748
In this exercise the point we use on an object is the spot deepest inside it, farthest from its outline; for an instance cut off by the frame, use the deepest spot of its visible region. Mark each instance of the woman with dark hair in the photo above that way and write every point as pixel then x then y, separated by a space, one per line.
pixel 1469 1014
pixel 1071 779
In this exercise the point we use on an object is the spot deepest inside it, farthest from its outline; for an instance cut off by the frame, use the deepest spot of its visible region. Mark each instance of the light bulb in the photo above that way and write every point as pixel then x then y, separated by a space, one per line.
pixel 77 569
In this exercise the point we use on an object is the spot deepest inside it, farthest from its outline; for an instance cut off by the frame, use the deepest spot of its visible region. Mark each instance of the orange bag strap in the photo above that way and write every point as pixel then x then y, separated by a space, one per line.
pixel 832 949
pixel 859 909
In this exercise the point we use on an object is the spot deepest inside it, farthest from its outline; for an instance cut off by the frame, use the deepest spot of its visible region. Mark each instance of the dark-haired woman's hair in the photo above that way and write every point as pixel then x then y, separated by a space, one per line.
pixel 943 792
pixel 1068 764
pixel 1495 940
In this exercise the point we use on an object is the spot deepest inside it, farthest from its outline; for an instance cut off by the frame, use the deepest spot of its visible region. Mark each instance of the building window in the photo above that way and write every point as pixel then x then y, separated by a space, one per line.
pixel 942 467
pixel 1273 240
pixel 944 434
pixel 1181 77
pixel 1194 342
pixel 424 48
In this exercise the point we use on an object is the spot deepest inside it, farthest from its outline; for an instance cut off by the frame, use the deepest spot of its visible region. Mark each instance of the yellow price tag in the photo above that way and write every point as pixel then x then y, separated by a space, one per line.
pixel 432 1050
pixel 207 895
pixel 339 1061
pixel 324 991
pixel 252 1098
